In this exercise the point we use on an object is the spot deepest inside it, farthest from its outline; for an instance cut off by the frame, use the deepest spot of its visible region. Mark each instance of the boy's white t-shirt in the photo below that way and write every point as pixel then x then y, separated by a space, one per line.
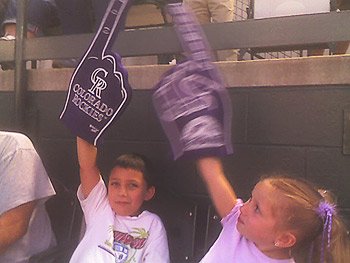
pixel 120 239
pixel 232 247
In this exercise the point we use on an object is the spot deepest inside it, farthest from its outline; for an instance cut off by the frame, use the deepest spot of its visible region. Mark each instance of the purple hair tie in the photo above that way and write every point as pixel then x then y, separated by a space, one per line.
pixel 325 211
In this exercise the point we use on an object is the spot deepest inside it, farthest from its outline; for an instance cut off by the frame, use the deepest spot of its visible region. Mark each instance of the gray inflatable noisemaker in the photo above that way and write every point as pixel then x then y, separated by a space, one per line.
pixel 99 90
pixel 191 101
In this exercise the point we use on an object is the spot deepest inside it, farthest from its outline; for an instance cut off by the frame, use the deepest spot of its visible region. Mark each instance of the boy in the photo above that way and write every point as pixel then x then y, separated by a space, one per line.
pixel 116 227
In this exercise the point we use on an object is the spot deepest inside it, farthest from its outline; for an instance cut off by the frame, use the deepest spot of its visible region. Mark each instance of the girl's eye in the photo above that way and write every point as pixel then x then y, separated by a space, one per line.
pixel 254 205
pixel 256 209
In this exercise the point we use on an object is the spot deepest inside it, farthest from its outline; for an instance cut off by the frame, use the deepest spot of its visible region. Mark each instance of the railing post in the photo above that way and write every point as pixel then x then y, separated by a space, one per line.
pixel 20 80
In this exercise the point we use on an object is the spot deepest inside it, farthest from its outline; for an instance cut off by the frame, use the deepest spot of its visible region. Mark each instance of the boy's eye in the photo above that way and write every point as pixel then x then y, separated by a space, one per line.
pixel 133 185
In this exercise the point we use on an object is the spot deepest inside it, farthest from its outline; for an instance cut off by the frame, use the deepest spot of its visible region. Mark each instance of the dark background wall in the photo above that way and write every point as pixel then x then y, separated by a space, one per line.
pixel 295 129
pixel 279 122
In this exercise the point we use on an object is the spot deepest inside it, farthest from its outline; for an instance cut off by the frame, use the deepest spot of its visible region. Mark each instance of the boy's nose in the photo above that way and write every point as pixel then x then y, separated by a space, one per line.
pixel 123 191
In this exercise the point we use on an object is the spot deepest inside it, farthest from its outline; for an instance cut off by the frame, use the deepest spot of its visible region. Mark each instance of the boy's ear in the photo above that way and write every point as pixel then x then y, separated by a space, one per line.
pixel 150 193
pixel 285 240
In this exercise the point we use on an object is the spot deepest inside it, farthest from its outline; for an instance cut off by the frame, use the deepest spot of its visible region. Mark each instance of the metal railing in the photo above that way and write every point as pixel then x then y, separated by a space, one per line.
pixel 282 33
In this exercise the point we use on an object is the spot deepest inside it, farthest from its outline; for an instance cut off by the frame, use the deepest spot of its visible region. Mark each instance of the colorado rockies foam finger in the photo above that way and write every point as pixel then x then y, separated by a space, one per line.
pixel 191 101
pixel 99 90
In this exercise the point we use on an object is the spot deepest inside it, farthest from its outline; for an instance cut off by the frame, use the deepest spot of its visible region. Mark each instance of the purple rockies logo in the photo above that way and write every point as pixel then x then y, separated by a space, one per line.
pixel 99 90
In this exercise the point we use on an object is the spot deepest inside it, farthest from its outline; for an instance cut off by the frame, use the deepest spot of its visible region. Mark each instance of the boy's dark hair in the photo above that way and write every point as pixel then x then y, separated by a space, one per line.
pixel 137 162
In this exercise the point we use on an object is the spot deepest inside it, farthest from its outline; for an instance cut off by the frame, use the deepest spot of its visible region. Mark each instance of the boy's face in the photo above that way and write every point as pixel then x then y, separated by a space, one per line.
pixel 257 221
pixel 127 190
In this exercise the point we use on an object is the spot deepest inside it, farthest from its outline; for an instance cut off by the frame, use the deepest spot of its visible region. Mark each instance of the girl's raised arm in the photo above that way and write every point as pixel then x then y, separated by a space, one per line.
pixel 220 189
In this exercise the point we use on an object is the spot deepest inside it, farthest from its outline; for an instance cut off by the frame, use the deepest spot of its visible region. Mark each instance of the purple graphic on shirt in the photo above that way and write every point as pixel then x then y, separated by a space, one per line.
pixel 121 252
pixel 99 90
pixel 191 101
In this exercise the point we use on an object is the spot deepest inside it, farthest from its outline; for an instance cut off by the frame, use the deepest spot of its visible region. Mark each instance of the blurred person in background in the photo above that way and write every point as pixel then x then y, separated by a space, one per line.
pixel 25 227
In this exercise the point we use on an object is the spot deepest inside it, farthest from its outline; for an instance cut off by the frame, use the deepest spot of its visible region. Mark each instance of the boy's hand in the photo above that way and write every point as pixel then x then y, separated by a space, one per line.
pixel 87 154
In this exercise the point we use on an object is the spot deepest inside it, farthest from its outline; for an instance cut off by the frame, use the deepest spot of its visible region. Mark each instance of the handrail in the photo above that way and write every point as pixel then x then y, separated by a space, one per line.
pixel 283 32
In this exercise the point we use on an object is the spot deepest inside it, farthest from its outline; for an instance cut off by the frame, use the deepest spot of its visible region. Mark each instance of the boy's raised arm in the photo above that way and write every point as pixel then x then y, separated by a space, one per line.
pixel 220 190
pixel 89 172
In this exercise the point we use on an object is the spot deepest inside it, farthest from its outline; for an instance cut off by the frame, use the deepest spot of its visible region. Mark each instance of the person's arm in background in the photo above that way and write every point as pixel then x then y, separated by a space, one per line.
pixel 220 189
pixel 89 172
pixel 14 224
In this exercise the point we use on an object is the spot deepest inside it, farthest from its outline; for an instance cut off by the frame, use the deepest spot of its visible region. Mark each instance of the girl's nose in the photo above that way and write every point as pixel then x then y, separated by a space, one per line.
pixel 243 208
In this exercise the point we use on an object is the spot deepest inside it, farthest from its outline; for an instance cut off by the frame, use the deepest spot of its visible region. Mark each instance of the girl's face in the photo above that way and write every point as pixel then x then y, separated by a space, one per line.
pixel 127 190
pixel 257 221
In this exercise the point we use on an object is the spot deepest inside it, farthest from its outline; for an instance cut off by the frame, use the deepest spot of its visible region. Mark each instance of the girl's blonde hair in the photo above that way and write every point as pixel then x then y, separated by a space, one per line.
pixel 299 214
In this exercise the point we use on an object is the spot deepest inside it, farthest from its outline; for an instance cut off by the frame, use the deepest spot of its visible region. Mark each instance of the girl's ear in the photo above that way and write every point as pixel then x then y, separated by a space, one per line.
pixel 149 193
pixel 285 240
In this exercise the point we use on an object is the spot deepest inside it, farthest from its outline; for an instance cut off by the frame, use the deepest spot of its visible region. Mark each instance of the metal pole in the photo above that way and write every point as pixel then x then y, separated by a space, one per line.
pixel 20 65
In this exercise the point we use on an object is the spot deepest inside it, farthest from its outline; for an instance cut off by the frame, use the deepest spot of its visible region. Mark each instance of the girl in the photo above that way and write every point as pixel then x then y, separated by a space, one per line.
pixel 285 220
